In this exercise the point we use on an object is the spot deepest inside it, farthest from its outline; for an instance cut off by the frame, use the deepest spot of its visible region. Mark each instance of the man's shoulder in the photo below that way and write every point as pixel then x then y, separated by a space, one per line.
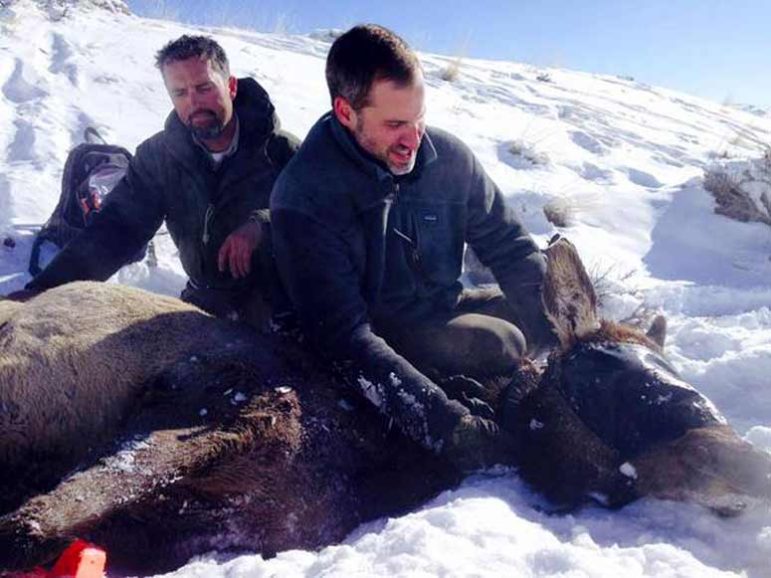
pixel 317 158
pixel 319 145
pixel 154 141
pixel 319 178
pixel 152 149
pixel 255 110
pixel 149 148
pixel 447 144
pixel 454 159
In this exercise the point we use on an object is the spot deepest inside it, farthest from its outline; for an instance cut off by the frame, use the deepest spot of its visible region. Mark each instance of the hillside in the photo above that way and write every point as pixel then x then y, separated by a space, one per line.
pixel 622 163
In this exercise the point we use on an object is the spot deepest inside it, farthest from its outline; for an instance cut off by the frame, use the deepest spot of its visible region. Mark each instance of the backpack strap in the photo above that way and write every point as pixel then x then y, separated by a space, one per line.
pixel 92 136
pixel 34 258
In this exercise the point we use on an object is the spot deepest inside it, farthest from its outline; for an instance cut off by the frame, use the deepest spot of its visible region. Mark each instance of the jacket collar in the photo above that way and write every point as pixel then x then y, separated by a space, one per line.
pixel 426 152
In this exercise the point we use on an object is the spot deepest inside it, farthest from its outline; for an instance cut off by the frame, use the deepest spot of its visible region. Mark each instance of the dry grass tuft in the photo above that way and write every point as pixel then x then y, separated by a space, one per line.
pixel 733 200
pixel 561 211
pixel 452 71
pixel 528 152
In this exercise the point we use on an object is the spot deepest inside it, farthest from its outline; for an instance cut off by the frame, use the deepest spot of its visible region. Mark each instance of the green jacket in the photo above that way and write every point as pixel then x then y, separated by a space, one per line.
pixel 171 178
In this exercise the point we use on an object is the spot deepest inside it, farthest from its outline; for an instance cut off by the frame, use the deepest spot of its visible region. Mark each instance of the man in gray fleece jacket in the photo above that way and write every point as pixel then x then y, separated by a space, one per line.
pixel 370 219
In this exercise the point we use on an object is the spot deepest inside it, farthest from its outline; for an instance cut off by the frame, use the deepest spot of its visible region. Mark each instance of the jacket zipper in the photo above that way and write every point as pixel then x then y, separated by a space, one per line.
pixel 413 244
pixel 207 217
pixel 393 196
pixel 417 262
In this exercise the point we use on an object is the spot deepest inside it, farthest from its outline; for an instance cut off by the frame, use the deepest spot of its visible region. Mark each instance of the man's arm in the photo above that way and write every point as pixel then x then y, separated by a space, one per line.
pixel 131 215
pixel 503 244
pixel 281 148
pixel 324 286
pixel 236 251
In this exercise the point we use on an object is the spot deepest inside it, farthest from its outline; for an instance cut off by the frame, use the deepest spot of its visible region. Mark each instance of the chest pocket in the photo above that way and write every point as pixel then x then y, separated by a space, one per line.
pixel 439 231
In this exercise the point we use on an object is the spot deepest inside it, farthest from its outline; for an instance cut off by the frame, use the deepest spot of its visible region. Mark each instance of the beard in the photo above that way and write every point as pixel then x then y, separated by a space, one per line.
pixel 401 169
pixel 211 129
pixel 382 155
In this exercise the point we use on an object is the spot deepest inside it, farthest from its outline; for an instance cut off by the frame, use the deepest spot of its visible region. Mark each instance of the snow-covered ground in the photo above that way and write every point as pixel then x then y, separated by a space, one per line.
pixel 623 162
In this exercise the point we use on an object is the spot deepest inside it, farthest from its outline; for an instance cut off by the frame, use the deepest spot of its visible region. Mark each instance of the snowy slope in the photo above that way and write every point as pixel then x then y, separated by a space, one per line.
pixel 622 160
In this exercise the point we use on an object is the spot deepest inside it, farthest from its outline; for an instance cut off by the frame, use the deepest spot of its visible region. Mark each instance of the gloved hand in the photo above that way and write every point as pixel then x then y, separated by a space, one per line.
pixel 469 392
pixel 457 385
pixel 477 407
pixel 524 386
pixel 477 443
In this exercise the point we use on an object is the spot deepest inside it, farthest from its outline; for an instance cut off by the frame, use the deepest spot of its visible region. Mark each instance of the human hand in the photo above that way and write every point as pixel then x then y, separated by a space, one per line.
pixel 470 393
pixel 236 252
pixel 477 407
pixel 456 385
pixel 477 443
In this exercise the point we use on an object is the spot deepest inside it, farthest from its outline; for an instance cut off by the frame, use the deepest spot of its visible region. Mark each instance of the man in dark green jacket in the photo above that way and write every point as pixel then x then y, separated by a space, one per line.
pixel 208 174
pixel 370 219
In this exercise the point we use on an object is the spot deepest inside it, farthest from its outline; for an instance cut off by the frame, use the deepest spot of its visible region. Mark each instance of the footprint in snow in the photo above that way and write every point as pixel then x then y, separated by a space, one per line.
pixel 22 148
pixel 588 142
pixel 60 61
pixel 21 87
pixel 5 200
pixel 591 172
pixel 643 179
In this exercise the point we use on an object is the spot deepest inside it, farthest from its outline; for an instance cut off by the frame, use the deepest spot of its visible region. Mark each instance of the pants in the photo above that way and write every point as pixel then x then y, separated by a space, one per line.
pixel 248 306
pixel 479 338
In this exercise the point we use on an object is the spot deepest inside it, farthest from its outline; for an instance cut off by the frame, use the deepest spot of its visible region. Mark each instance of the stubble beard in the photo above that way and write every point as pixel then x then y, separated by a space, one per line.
pixel 371 147
pixel 400 170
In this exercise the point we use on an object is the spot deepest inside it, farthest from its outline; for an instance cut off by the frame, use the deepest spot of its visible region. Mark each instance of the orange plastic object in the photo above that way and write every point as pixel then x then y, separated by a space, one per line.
pixel 80 560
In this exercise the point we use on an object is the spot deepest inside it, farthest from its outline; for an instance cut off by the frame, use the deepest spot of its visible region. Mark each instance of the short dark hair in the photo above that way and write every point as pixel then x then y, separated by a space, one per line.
pixel 186 47
pixel 366 53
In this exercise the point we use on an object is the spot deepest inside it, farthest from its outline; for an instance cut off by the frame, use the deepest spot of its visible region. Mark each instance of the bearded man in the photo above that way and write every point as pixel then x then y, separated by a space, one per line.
pixel 208 174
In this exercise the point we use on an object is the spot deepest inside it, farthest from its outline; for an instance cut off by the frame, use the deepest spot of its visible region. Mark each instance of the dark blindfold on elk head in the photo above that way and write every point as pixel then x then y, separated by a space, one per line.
pixel 614 378
pixel 630 396
pixel 610 417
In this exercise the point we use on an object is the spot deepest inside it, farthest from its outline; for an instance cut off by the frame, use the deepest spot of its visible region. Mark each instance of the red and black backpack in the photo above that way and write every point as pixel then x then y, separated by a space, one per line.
pixel 91 171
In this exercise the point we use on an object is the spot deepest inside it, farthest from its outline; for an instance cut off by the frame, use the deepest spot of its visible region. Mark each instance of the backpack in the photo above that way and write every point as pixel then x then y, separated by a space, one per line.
pixel 91 171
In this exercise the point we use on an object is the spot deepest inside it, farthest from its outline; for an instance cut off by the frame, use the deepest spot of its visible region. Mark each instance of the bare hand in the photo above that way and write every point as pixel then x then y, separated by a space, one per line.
pixel 236 252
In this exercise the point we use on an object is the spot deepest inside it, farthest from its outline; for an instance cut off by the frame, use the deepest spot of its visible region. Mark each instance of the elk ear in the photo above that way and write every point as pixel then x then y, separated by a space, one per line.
pixel 658 331
pixel 568 295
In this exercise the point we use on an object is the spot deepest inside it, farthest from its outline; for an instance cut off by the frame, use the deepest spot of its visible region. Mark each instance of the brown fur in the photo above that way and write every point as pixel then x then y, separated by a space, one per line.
pixel 568 294
pixel 711 466
pixel 7 308
pixel 657 332
pixel 562 456
pixel 282 466
pixel 610 332
pixel 559 455
pixel 75 360
pixel 288 466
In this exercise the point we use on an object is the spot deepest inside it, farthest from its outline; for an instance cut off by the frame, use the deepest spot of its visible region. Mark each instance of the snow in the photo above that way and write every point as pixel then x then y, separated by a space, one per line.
pixel 489 527
pixel 124 459
pixel 624 161
pixel 628 470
